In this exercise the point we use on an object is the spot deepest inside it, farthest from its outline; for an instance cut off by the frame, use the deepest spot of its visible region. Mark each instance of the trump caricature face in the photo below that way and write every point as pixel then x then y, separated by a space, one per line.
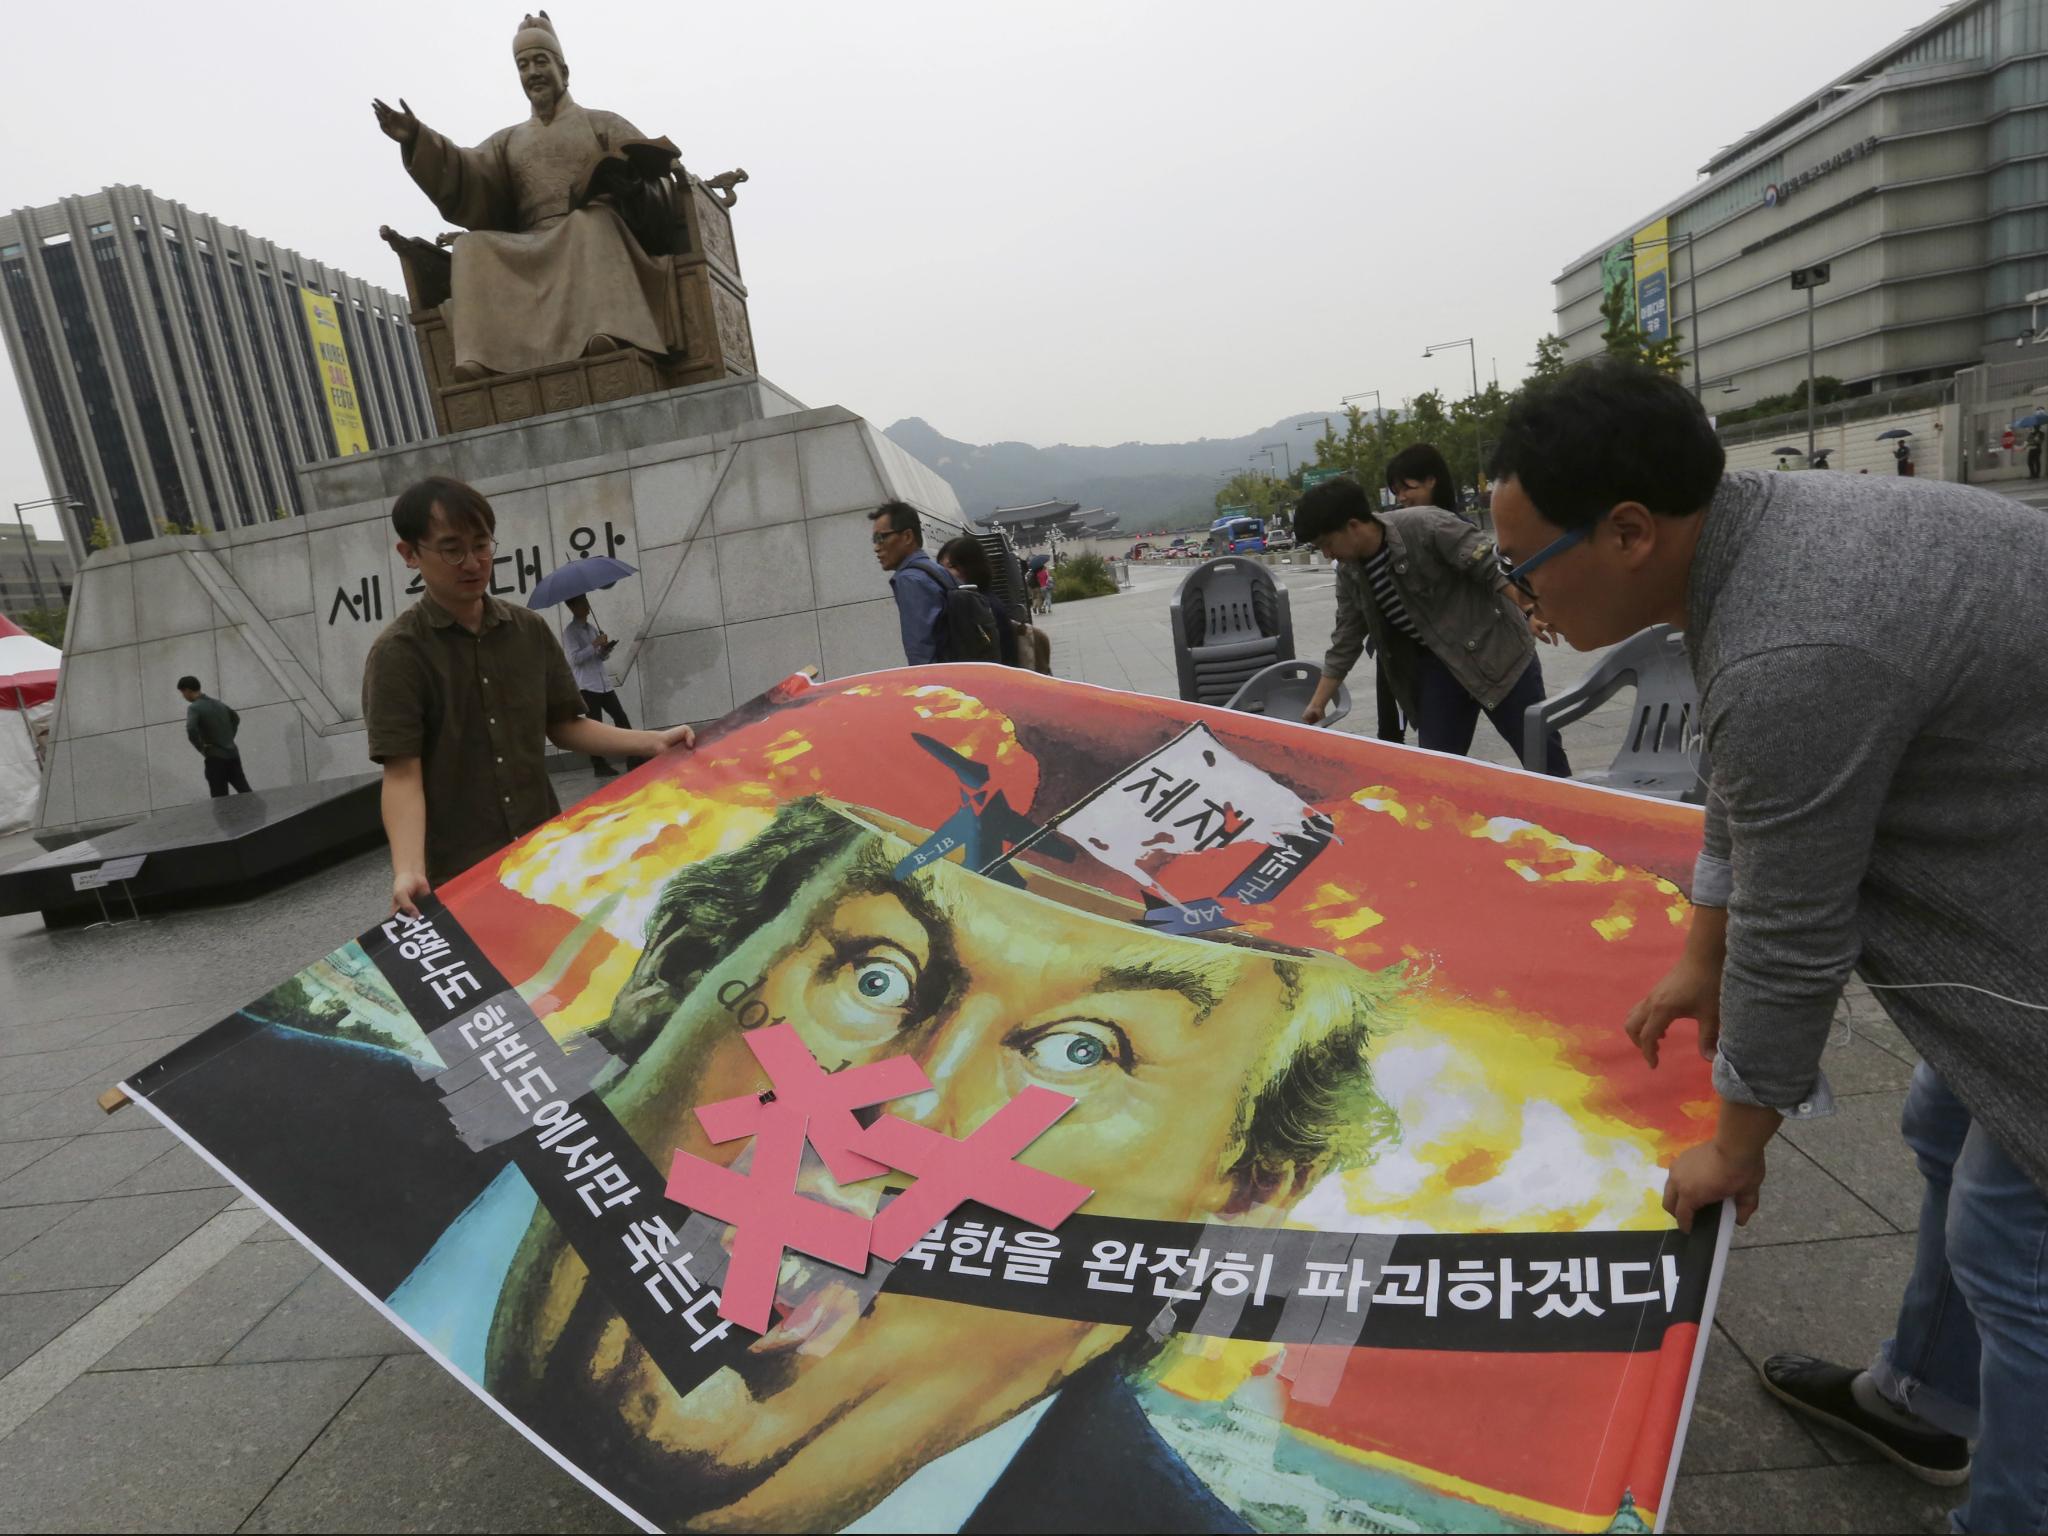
pixel 1167 1045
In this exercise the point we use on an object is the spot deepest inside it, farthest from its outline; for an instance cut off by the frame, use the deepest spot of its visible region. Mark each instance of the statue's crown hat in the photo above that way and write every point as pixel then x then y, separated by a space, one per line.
pixel 537 32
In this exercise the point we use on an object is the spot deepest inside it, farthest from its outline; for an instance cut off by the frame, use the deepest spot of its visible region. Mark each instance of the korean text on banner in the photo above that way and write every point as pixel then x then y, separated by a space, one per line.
pixel 337 383
pixel 1653 280
pixel 1191 795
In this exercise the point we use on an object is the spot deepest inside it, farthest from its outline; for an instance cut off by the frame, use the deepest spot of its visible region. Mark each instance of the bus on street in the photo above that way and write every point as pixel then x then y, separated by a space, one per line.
pixel 1237 534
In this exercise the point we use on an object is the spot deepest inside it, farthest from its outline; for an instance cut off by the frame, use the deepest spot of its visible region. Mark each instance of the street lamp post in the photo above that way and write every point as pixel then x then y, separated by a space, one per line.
pixel 28 543
pixel 1478 445
pixel 1266 448
pixel 1692 311
pixel 1810 278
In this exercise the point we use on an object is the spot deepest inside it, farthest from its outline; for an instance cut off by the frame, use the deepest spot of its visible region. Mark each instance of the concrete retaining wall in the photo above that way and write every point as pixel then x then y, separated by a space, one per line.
pixel 1853 446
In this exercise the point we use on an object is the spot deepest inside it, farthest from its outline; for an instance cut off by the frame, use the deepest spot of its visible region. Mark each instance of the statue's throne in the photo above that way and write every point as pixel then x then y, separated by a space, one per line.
pixel 685 225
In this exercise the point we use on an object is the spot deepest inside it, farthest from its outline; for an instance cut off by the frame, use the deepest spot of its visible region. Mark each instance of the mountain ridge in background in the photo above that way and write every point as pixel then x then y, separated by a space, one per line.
pixel 1147 485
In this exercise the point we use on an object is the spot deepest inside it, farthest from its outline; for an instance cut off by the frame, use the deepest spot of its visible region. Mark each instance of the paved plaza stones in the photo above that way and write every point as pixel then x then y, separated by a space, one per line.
pixel 170 1359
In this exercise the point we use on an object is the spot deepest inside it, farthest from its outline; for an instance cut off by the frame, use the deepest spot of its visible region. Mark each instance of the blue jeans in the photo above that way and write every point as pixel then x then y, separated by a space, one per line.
pixel 1446 715
pixel 1971 1352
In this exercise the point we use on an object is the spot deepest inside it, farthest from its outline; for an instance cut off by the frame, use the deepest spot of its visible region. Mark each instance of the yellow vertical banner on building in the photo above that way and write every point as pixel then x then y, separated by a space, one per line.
pixel 1653 280
pixel 330 354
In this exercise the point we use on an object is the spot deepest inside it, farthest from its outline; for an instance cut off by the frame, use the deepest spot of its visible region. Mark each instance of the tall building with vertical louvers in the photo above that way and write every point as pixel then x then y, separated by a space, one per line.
pixel 170 372
pixel 1920 177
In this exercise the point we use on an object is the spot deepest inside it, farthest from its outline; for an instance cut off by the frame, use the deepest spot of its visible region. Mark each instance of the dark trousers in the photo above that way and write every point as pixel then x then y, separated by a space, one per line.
pixel 607 703
pixel 1447 715
pixel 1389 706
pixel 2033 463
pixel 224 773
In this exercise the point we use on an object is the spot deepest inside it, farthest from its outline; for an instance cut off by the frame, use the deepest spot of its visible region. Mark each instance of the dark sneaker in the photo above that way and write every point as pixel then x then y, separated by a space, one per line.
pixel 1826 1392
pixel 604 770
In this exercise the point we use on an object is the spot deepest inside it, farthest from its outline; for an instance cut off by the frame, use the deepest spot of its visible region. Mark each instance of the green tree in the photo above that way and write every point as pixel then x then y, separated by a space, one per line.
pixel 1826 391
pixel 1463 430
pixel 1550 359
pixel 1622 336
pixel 99 536
pixel 1084 575
pixel 46 624
pixel 1266 496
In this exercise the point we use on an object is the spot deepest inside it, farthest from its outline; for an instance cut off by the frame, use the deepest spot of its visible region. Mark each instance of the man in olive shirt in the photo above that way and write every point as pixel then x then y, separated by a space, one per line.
pixel 460 692
pixel 210 726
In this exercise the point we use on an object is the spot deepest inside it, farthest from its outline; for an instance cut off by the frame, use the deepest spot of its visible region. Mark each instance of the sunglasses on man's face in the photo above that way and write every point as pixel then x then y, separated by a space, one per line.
pixel 882 536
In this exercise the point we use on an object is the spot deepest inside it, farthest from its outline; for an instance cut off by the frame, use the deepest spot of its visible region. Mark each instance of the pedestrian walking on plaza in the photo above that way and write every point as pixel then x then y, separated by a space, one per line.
pixel 1878 804
pixel 588 647
pixel 461 693
pixel 939 622
pixel 211 726
pixel 1902 456
pixel 1423 584
pixel 2034 444
pixel 967 563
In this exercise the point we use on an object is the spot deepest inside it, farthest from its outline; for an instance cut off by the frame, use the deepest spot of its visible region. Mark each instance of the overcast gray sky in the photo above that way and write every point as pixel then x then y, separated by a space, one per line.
pixel 1084 223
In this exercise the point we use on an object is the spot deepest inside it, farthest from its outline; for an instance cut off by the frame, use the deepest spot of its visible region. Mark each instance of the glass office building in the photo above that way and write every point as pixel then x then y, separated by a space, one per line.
pixel 165 363
pixel 1920 177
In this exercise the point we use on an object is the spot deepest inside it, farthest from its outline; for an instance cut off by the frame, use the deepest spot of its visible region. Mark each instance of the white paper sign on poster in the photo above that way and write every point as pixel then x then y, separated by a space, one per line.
pixel 1193 794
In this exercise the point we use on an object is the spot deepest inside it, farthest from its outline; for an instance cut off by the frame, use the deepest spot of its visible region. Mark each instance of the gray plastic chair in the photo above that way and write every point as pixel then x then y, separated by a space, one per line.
pixel 1283 691
pixel 1662 754
pixel 1008 569
pixel 1231 620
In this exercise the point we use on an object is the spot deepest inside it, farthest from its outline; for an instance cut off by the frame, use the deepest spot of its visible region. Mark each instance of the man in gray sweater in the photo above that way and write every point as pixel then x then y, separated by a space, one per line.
pixel 1872 660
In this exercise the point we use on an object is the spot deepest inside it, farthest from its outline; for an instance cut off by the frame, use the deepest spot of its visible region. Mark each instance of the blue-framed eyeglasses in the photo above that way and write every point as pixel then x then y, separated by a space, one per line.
pixel 1518 575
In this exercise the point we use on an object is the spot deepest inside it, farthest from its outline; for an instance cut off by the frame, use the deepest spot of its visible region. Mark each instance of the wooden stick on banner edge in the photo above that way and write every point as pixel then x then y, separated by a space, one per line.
pixel 1722 1239
pixel 114 1098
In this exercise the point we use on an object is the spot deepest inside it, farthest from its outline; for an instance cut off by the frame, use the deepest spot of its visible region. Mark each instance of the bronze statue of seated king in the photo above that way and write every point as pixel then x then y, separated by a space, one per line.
pixel 580 241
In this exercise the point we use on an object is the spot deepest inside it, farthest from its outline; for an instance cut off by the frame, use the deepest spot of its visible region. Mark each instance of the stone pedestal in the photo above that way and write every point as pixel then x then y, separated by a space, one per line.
pixel 507 398
pixel 745 513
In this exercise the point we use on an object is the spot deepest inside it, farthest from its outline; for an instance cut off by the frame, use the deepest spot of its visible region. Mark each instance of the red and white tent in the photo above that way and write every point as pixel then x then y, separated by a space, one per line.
pixel 28 689
pixel 28 667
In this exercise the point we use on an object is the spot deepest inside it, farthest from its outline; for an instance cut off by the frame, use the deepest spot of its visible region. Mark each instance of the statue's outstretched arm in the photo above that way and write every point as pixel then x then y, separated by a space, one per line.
pixel 397 122
pixel 470 187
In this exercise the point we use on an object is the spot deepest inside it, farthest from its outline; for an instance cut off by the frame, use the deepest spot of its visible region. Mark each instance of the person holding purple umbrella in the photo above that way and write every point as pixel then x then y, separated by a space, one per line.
pixel 588 646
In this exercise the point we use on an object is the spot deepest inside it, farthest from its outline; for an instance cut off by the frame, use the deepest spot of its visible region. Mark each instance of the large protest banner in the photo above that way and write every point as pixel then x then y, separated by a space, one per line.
pixel 1375 1238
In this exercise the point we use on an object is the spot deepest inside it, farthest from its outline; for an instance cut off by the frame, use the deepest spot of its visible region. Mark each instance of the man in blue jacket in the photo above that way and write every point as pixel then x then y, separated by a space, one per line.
pixel 921 586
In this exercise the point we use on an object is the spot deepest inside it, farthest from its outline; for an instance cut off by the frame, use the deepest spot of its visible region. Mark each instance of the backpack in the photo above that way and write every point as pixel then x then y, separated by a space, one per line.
pixel 968 632
pixel 970 627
